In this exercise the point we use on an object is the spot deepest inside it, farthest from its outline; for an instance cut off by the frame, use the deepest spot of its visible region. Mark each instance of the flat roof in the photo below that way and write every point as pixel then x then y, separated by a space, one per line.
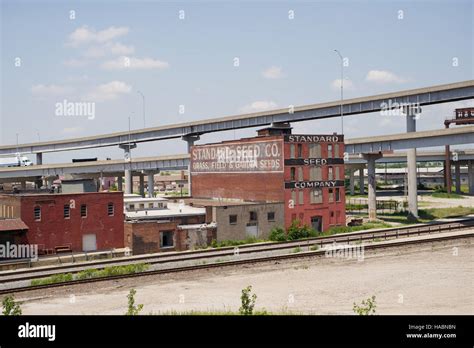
pixel 223 202
pixel 173 210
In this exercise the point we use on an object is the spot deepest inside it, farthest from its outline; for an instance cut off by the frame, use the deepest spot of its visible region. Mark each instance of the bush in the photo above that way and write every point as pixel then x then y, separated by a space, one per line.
pixel 296 231
pixel 367 307
pixel 248 301
pixel 132 308
pixel 10 307
pixel 277 234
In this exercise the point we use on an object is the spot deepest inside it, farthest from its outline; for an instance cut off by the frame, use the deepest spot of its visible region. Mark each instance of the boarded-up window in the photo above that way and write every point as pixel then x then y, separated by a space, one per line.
pixel 301 197
pixel 300 174
pixel 316 196
pixel 336 150
pixel 292 150
pixel 329 151
pixel 315 173
pixel 314 150
pixel 338 173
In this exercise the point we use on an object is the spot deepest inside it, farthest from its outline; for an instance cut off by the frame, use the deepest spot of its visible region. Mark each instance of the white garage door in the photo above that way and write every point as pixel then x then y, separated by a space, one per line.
pixel 89 242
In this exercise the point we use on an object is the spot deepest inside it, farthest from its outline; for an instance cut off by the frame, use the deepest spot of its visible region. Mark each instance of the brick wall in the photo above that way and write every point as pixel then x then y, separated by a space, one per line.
pixel 55 230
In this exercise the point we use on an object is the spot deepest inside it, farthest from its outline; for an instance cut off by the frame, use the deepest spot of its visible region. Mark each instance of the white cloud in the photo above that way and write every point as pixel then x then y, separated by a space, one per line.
pixel 348 84
pixel 113 48
pixel 124 62
pixel 259 105
pixel 273 72
pixel 85 35
pixel 108 91
pixel 45 91
pixel 75 63
pixel 383 76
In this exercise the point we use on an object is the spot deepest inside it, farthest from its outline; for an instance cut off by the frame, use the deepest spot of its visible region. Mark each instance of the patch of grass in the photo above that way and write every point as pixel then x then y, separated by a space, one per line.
pixel 314 247
pixel 297 250
pixel 447 195
pixel 227 243
pixel 426 215
pixel 92 273
pixel 345 229
pixel 56 278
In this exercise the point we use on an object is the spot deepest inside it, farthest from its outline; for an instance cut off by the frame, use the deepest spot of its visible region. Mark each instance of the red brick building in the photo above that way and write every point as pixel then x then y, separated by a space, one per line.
pixel 76 221
pixel 304 171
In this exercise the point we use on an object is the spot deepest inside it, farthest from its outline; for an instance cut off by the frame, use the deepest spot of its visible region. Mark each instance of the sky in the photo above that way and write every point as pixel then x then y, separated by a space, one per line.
pixel 194 60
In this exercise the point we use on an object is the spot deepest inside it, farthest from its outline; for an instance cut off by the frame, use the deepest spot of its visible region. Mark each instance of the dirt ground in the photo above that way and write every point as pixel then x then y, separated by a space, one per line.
pixel 434 279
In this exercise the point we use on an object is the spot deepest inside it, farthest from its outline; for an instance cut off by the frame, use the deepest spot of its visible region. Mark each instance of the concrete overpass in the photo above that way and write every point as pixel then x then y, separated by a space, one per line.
pixel 370 148
pixel 420 96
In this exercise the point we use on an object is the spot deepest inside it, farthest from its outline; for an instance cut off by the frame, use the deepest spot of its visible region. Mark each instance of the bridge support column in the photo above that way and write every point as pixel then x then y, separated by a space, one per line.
pixel 457 174
pixel 39 158
pixel 411 167
pixel 119 183
pixel 361 181
pixel 190 139
pixel 142 185
pixel 128 181
pixel 470 172
pixel 351 181
pixel 151 184
pixel 372 191
pixel 127 148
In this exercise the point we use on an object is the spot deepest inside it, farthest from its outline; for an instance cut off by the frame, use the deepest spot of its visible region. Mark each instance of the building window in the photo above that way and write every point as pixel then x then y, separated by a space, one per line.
pixel 338 173
pixel 150 205
pixel 83 210
pixel 316 196
pixel 67 211
pixel 166 239
pixel 301 197
pixel 300 174
pixel 329 151
pixel 111 210
pixel 336 150
pixel 314 150
pixel 253 216
pixel 232 219
pixel 331 195
pixel 142 205
pixel 160 205
pixel 293 174
pixel 338 195
pixel 330 173
pixel 292 150
pixel 37 213
pixel 338 217
pixel 331 219
pixel 315 173
pixel 131 206
pixel 293 197
pixel 271 216
pixel 300 150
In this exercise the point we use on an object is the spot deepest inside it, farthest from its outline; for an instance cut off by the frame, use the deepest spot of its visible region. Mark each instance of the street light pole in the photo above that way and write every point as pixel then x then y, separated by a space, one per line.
pixel 342 90
pixel 143 97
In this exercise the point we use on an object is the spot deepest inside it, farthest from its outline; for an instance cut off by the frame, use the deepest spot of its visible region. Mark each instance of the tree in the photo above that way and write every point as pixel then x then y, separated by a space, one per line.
pixel 10 307
pixel 132 308
pixel 248 301
pixel 367 307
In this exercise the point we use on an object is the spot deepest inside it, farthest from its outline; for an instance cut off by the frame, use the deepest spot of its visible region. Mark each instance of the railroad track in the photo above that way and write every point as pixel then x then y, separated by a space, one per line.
pixel 387 234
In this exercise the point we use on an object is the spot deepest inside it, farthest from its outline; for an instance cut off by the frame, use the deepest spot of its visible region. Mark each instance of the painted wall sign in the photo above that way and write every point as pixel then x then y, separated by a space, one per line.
pixel 313 184
pixel 465 113
pixel 257 156
pixel 313 161
pixel 293 138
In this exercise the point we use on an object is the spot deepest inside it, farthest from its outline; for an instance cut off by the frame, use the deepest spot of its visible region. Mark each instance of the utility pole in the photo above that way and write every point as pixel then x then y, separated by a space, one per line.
pixel 342 89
